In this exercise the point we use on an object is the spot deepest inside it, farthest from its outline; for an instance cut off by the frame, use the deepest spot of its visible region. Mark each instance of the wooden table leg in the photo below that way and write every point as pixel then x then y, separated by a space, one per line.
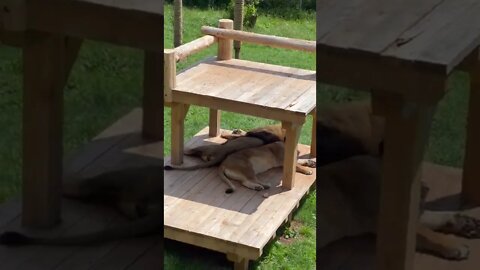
pixel 214 123
pixel 406 135
pixel 47 63
pixel 292 134
pixel 239 263
pixel 153 96
pixel 313 143
pixel 471 172
pixel 179 111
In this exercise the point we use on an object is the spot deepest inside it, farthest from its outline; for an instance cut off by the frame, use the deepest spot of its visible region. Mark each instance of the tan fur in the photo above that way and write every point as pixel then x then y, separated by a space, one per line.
pixel 356 120
pixel 214 154
pixel 245 165
pixel 348 191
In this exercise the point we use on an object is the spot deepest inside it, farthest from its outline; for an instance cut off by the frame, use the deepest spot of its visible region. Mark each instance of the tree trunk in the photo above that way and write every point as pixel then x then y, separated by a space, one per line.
pixel 238 24
pixel 177 23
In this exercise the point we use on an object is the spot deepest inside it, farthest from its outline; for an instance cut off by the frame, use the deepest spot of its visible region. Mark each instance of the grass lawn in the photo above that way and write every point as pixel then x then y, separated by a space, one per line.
pixel 296 254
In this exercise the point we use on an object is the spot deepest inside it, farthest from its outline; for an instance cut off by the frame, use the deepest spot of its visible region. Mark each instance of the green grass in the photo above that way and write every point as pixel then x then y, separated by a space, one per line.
pixel 300 254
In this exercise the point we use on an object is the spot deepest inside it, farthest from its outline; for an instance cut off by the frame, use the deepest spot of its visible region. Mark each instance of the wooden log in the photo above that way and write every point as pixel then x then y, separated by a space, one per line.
pixel 225 44
pixel 194 46
pixel 169 74
pixel 47 63
pixel 272 41
pixel 152 125
pixel 471 173
pixel 406 136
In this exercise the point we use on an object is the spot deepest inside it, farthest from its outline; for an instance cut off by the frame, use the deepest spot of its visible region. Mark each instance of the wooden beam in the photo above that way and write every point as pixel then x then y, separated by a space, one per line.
pixel 47 63
pixel 136 24
pixel 267 40
pixel 194 46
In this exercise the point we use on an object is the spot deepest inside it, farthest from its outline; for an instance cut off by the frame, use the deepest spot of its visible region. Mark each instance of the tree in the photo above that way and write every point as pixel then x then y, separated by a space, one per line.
pixel 177 23
pixel 238 24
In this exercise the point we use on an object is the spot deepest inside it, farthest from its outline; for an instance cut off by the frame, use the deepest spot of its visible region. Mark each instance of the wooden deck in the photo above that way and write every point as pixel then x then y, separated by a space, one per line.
pixel 198 212
pixel 269 91
pixel 358 253
pixel 118 146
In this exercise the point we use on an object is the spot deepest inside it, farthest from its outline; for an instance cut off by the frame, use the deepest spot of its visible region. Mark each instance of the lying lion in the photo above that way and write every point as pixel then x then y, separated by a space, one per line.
pixel 350 147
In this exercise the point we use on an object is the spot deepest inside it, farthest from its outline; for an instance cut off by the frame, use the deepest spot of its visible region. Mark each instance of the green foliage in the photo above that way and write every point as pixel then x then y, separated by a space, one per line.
pixel 250 12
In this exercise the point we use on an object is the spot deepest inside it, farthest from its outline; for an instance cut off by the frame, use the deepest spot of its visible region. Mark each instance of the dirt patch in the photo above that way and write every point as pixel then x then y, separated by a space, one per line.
pixel 291 233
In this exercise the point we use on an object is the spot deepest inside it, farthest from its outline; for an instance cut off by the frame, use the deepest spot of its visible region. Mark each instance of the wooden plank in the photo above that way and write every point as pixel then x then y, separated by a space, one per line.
pixel 434 39
pixel 151 260
pixel 373 25
pixel 132 23
pixel 205 216
pixel 192 47
pixel 126 253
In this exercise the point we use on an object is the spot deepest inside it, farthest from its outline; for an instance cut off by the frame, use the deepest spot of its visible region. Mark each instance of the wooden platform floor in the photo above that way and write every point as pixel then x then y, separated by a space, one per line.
pixel 199 212
pixel 358 253
pixel 119 146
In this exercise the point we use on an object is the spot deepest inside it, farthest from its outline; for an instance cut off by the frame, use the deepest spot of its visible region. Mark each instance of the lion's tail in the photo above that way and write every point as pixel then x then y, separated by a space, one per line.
pixel 221 172
pixel 202 165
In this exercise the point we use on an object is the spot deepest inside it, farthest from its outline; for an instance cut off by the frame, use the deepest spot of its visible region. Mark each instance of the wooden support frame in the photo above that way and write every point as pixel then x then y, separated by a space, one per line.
pixel 273 41
pixel 292 134
pixel 239 263
pixel 471 173
pixel 153 98
pixel 406 123
pixel 47 63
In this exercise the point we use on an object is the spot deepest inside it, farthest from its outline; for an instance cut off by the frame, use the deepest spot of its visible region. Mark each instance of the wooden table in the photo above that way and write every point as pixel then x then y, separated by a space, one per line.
pixel 403 51
pixel 50 33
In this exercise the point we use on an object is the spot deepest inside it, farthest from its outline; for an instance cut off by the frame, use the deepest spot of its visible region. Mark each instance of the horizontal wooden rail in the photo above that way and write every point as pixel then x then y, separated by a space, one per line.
pixel 272 41
pixel 182 52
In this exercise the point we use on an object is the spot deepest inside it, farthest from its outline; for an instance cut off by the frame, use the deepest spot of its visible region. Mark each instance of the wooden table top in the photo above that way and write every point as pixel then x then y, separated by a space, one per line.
pixel 432 34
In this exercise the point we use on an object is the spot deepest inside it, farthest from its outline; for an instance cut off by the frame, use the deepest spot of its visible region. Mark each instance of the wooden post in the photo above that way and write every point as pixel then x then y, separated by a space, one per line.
pixel 471 172
pixel 239 263
pixel 178 114
pixel 47 63
pixel 406 136
pixel 292 134
pixel 225 46
pixel 169 74
pixel 313 143
pixel 153 96
pixel 214 123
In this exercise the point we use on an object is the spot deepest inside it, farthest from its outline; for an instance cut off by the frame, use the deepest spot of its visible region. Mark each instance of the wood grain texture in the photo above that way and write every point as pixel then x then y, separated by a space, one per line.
pixel 263 90
pixel 131 23
pixel 197 211
pixel 406 124
pixel 47 64
pixel 433 34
